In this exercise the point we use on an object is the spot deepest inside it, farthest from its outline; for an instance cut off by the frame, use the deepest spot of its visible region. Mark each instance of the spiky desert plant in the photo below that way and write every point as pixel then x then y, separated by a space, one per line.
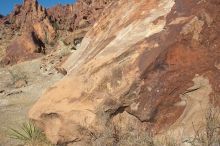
pixel 29 135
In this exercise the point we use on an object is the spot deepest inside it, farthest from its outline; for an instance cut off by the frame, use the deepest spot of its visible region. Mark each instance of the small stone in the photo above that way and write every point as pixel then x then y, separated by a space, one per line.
pixel 20 83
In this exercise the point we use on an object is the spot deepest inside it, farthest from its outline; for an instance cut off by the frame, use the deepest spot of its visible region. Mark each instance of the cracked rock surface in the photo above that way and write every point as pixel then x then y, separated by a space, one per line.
pixel 135 68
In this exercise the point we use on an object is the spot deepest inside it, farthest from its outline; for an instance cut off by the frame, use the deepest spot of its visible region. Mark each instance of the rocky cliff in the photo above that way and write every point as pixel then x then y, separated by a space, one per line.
pixel 146 65
pixel 77 16
pixel 74 20
pixel 35 29
pixel 30 28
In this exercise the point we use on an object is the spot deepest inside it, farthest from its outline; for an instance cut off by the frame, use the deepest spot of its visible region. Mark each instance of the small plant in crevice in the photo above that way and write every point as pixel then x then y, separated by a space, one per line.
pixel 29 135
pixel 46 38
pixel 55 25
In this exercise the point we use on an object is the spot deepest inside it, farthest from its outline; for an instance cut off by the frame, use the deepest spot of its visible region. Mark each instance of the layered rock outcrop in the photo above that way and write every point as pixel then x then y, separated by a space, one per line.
pixel 74 20
pixel 77 16
pixel 48 25
pixel 144 64
pixel 31 31
pixel 32 14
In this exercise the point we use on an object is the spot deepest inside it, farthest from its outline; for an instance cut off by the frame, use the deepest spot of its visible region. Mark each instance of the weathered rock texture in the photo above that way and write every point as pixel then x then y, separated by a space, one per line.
pixel 48 25
pixel 24 47
pixel 74 21
pixel 77 16
pixel 145 64
pixel 31 29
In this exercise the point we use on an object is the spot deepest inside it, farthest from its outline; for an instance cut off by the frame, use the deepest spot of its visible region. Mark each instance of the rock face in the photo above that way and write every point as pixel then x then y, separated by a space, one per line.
pixel 31 30
pixel 24 47
pixel 77 16
pixel 73 21
pixel 145 64
pixel 32 14
pixel 49 26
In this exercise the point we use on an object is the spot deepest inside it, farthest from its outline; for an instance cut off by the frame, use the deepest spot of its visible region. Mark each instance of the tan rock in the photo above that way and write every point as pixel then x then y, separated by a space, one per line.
pixel 133 47
pixel 20 83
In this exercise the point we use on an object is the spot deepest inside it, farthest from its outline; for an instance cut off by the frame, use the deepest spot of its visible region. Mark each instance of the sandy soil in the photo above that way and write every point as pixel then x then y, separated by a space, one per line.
pixel 16 97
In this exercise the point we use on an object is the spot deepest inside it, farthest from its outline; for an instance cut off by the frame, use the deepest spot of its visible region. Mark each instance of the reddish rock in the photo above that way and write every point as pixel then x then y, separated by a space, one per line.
pixel 69 23
pixel 25 15
pixel 25 47
pixel 32 14
pixel 80 15
pixel 153 63
pixel 29 30
pixel 74 20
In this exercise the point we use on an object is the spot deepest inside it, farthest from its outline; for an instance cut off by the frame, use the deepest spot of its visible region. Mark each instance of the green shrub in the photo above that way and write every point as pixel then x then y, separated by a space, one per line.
pixel 55 25
pixel 30 135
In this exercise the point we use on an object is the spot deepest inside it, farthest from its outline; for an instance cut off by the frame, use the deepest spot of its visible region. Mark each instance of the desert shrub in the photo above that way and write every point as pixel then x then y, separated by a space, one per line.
pixel 55 25
pixel 113 136
pixel 137 139
pixel 168 140
pixel 207 135
pixel 29 135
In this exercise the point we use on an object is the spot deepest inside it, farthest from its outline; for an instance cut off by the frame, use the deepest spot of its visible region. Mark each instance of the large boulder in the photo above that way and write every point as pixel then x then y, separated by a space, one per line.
pixel 25 47
pixel 145 64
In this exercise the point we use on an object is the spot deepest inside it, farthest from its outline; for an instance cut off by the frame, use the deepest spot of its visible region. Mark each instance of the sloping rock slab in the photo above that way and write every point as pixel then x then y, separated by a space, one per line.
pixel 139 58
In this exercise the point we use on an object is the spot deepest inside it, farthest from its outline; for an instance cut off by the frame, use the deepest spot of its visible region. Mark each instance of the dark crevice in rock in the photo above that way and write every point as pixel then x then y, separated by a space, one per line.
pixel 40 43
pixel 50 116
pixel 118 111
